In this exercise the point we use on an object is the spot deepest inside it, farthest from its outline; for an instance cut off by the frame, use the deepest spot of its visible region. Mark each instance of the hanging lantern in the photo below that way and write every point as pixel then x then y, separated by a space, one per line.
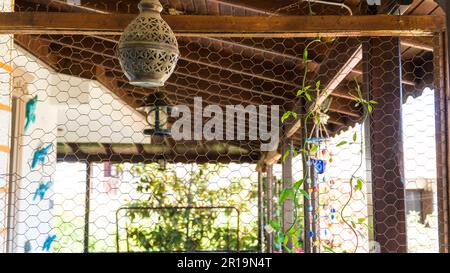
pixel 148 49
pixel 157 112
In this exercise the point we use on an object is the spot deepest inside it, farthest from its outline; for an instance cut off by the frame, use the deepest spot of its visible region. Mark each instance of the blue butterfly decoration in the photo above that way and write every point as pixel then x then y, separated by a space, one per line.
pixel 48 242
pixel 27 246
pixel 39 155
pixel 30 112
pixel 319 165
pixel 42 189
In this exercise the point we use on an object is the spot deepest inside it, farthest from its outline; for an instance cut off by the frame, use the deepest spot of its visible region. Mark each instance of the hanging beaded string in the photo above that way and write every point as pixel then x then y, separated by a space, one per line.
pixel 318 145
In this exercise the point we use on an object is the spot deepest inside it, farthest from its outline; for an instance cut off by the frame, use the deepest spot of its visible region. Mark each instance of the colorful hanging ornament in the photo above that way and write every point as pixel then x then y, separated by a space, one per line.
pixel 42 189
pixel 30 112
pixel 316 139
pixel 40 154
pixel 333 211
pixel 319 165
pixel 310 234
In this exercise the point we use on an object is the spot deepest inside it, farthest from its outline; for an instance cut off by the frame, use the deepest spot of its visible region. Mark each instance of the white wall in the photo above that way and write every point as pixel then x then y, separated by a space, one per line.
pixel 69 109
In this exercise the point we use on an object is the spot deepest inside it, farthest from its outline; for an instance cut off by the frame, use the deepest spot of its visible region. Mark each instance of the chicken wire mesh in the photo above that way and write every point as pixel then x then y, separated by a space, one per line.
pixel 107 187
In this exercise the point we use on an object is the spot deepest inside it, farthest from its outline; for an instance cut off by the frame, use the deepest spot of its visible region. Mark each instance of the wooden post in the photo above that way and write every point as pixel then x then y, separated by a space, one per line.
pixel 442 86
pixel 288 205
pixel 260 212
pixel 87 206
pixel 382 83
pixel 269 206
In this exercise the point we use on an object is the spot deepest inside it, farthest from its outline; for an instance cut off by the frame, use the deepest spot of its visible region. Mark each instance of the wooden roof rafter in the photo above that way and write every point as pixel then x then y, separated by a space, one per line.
pixel 119 153
pixel 178 89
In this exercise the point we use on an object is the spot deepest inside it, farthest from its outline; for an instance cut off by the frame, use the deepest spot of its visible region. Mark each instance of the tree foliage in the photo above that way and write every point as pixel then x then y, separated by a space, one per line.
pixel 181 209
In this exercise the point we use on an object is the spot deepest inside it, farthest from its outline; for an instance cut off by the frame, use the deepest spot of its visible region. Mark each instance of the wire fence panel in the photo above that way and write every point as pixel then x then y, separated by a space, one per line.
pixel 78 173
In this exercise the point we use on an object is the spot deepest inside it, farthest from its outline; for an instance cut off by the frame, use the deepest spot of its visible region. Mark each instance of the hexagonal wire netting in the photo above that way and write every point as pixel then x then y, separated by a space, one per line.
pixel 104 186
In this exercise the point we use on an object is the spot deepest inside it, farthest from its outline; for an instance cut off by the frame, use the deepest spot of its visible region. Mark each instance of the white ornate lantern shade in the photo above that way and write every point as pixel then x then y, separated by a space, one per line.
pixel 148 49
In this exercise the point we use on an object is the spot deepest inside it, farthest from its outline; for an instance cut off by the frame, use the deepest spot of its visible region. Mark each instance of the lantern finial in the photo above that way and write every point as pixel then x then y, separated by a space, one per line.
pixel 150 5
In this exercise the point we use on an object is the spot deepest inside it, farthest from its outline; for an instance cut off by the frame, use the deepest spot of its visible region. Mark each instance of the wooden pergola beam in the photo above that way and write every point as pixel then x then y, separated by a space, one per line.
pixel 61 6
pixel 224 26
pixel 152 158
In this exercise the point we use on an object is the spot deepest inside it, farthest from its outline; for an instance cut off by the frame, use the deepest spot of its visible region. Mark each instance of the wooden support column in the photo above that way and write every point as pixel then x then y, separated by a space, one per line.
pixel 260 212
pixel 269 206
pixel 87 208
pixel 288 205
pixel 441 141
pixel 382 83
pixel 442 89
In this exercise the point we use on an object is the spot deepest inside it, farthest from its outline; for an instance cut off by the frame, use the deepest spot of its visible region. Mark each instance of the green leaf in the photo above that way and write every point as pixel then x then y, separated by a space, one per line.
pixel 295 242
pixel 287 115
pixel 308 97
pixel 286 154
pixel 359 184
pixel 293 232
pixel 305 194
pixel 314 148
pixel 355 136
pixel 317 85
pixel 298 184
pixel 370 108
pixel 275 225
pixel 285 193
pixel 361 220
pixel 343 142
pixel 285 241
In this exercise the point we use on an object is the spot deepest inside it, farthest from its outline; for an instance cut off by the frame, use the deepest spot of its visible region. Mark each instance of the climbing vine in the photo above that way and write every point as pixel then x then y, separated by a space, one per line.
pixel 315 139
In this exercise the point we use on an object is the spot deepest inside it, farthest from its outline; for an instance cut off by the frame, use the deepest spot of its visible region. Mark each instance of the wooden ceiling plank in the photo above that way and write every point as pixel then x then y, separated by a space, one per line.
pixel 69 52
pixel 66 41
pixel 204 60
